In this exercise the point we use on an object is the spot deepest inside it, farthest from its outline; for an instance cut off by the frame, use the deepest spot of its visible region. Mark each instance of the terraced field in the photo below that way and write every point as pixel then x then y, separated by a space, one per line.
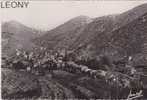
pixel 59 85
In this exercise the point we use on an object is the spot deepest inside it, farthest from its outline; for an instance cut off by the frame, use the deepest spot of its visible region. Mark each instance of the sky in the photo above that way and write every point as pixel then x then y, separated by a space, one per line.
pixel 46 15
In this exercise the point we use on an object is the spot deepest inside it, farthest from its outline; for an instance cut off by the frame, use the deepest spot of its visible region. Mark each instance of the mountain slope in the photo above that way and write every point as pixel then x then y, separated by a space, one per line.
pixel 16 36
pixel 109 35
pixel 107 24
pixel 82 30
pixel 65 34
pixel 132 38
pixel 95 39
pixel 128 40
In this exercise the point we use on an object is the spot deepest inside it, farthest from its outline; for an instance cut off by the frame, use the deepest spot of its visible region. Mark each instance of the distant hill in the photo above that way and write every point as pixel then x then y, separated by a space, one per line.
pixel 17 36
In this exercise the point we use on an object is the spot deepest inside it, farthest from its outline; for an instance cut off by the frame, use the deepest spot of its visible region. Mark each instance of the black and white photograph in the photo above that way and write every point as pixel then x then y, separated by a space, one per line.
pixel 73 50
